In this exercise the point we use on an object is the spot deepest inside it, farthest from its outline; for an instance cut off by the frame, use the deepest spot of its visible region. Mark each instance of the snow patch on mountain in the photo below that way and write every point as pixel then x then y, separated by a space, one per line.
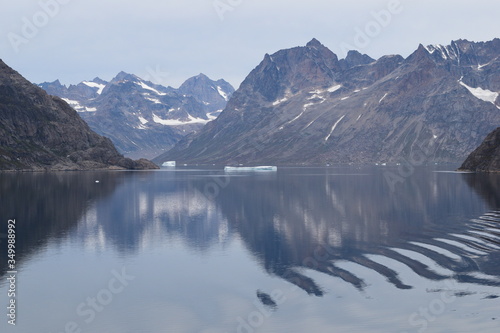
pixel 145 86
pixel 279 101
pixel 100 87
pixel 483 94
pixel 333 128
pixel 222 93
pixel 154 100
pixel 74 104
pixel 334 88
pixel 383 97
pixel 177 122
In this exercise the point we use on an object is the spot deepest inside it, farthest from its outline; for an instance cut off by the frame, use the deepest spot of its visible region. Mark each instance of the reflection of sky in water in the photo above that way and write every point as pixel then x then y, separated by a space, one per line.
pixel 376 258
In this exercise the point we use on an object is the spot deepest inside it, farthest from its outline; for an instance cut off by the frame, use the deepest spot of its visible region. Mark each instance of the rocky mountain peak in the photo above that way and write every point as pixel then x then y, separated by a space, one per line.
pixel 420 53
pixel 209 92
pixel 123 76
pixel 314 43
pixel 99 81
pixel 355 58
pixel 198 80
pixel 292 70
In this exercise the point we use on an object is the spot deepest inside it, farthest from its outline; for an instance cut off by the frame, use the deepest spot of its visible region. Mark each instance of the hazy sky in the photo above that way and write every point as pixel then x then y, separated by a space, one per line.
pixel 171 40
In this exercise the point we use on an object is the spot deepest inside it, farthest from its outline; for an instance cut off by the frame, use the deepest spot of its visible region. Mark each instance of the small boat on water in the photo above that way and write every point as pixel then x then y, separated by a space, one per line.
pixel 255 168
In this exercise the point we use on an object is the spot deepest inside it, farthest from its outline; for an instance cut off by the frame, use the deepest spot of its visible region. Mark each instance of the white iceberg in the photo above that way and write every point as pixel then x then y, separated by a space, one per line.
pixel 169 164
pixel 255 168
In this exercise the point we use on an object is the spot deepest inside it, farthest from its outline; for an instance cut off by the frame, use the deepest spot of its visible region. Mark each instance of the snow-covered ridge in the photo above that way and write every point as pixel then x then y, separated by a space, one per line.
pixel 446 52
pixel 100 87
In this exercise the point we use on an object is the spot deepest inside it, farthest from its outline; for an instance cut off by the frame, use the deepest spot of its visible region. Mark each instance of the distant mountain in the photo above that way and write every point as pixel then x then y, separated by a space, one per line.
pixel 305 106
pixel 42 132
pixel 486 157
pixel 144 119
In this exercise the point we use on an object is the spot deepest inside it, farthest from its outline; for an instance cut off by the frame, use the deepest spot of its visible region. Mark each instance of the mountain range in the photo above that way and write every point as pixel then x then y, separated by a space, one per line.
pixel 41 132
pixel 144 119
pixel 305 106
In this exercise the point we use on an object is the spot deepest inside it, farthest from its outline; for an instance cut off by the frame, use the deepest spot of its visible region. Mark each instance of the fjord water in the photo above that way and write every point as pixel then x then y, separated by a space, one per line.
pixel 354 249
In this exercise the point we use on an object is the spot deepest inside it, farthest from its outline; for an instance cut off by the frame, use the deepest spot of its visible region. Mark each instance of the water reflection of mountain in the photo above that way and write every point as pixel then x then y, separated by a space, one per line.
pixel 290 221
pixel 152 210
pixel 487 185
pixel 312 222
pixel 47 206
pixel 295 220
pixel 487 226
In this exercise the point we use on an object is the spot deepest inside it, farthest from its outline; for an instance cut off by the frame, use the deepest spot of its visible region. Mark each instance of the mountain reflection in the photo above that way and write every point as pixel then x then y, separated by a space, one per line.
pixel 47 206
pixel 487 226
pixel 152 210
pixel 293 221
pixel 301 221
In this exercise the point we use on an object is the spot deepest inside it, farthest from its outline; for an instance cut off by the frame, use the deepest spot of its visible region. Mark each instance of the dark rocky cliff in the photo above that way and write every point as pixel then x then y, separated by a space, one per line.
pixel 486 158
pixel 42 132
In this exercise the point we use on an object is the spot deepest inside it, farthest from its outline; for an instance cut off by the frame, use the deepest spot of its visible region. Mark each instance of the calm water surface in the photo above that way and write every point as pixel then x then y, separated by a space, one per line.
pixel 300 250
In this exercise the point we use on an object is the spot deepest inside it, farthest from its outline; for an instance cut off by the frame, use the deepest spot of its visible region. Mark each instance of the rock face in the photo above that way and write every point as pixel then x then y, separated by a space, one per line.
pixel 304 106
pixel 42 132
pixel 144 119
pixel 486 158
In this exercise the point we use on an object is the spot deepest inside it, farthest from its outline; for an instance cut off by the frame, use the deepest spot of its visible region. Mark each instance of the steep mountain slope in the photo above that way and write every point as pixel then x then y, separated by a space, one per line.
pixel 42 132
pixel 144 119
pixel 486 157
pixel 304 106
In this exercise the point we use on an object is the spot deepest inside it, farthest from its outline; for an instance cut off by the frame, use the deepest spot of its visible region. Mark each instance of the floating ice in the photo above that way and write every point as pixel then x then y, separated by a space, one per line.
pixel 255 168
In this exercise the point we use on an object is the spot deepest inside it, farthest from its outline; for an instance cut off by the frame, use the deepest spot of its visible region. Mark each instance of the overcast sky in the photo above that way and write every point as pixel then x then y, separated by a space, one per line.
pixel 169 41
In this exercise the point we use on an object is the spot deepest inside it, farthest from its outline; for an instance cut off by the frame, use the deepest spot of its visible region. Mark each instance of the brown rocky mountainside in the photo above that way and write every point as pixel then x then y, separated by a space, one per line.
pixel 486 158
pixel 42 132
pixel 304 106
